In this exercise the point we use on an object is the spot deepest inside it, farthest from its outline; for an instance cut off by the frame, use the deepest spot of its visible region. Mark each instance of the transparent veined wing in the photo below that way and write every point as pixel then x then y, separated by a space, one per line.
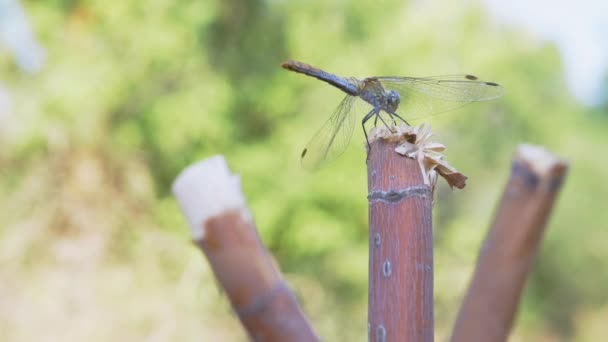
pixel 333 137
pixel 424 96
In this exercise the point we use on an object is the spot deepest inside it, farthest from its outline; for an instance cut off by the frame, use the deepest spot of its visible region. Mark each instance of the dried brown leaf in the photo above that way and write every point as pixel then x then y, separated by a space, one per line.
pixel 416 144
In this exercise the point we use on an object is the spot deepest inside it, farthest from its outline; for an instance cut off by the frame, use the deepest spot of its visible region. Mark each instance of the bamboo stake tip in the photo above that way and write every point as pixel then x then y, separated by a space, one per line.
pixel 540 160
pixel 207 189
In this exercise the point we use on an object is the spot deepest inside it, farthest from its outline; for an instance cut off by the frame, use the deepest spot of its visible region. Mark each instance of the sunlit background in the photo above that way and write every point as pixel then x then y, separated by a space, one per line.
pixel 103 103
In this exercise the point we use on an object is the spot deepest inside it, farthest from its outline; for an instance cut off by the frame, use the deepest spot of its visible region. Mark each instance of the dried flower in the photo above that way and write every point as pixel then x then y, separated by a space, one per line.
pixel 416 144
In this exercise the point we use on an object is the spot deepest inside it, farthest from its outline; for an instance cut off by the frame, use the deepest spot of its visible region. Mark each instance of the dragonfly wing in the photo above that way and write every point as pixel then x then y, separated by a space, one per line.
pixel 333 138
pixel 426 96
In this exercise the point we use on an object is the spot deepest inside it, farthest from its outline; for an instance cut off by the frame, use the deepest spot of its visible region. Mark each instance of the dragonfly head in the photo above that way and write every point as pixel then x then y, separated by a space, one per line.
pixel 392 100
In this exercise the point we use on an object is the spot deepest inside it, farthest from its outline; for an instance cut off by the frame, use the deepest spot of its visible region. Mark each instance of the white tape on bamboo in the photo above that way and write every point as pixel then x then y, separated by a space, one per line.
pixel 207 189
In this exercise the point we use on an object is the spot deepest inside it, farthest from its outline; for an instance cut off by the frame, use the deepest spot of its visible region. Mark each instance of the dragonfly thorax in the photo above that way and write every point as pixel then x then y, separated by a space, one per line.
pixel 375 94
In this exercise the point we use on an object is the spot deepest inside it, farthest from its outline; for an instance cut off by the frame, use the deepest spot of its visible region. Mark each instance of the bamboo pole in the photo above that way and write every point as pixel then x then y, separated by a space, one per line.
pixel 508 253
pixel 400 245
pixel 211 199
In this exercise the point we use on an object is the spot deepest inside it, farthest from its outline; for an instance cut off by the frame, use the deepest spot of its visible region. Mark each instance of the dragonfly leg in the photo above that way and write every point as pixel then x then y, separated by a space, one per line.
pixel 381 119
pixel 393 114
pixel 365 119
pixel 390 115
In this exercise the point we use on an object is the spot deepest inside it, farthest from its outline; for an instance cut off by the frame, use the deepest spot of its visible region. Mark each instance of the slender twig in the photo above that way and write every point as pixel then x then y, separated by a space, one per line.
pixel 401 245
pixel 212 201
pixel 508 253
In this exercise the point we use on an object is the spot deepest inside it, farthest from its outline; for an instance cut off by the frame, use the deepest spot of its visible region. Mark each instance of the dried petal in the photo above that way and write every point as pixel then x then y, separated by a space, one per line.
pixel 416 144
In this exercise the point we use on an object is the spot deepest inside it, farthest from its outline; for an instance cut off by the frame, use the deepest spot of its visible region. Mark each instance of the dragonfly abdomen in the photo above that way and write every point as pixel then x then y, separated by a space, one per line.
pixel 339 82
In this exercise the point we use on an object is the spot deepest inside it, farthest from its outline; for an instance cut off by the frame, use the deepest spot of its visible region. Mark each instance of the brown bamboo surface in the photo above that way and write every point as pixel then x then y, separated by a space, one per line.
pixel 261 298
pixel 509 250
pixel 401 247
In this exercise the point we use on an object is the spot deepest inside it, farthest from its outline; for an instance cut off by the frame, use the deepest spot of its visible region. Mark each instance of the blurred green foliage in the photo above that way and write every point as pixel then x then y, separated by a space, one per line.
pixel 93 246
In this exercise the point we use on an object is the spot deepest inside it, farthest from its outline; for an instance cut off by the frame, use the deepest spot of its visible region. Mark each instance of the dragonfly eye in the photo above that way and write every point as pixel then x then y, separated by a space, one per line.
pixel 393 99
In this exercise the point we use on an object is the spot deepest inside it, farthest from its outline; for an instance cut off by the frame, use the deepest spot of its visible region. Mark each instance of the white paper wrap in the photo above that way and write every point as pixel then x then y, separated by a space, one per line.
pixel 207 189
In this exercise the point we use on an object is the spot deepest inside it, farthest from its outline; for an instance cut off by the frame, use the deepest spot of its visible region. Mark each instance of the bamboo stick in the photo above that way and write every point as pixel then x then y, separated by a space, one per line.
pixel 211 199
pixel 507 255
pixel 400 245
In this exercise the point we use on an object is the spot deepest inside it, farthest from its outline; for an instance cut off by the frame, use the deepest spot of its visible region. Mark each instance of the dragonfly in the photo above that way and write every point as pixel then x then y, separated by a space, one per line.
pixel 391 96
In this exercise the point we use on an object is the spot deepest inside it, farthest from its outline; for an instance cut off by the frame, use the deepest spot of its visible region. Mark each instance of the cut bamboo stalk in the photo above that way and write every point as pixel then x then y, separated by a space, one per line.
pixel 211 199
pixel 400 240
pixel 509 251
